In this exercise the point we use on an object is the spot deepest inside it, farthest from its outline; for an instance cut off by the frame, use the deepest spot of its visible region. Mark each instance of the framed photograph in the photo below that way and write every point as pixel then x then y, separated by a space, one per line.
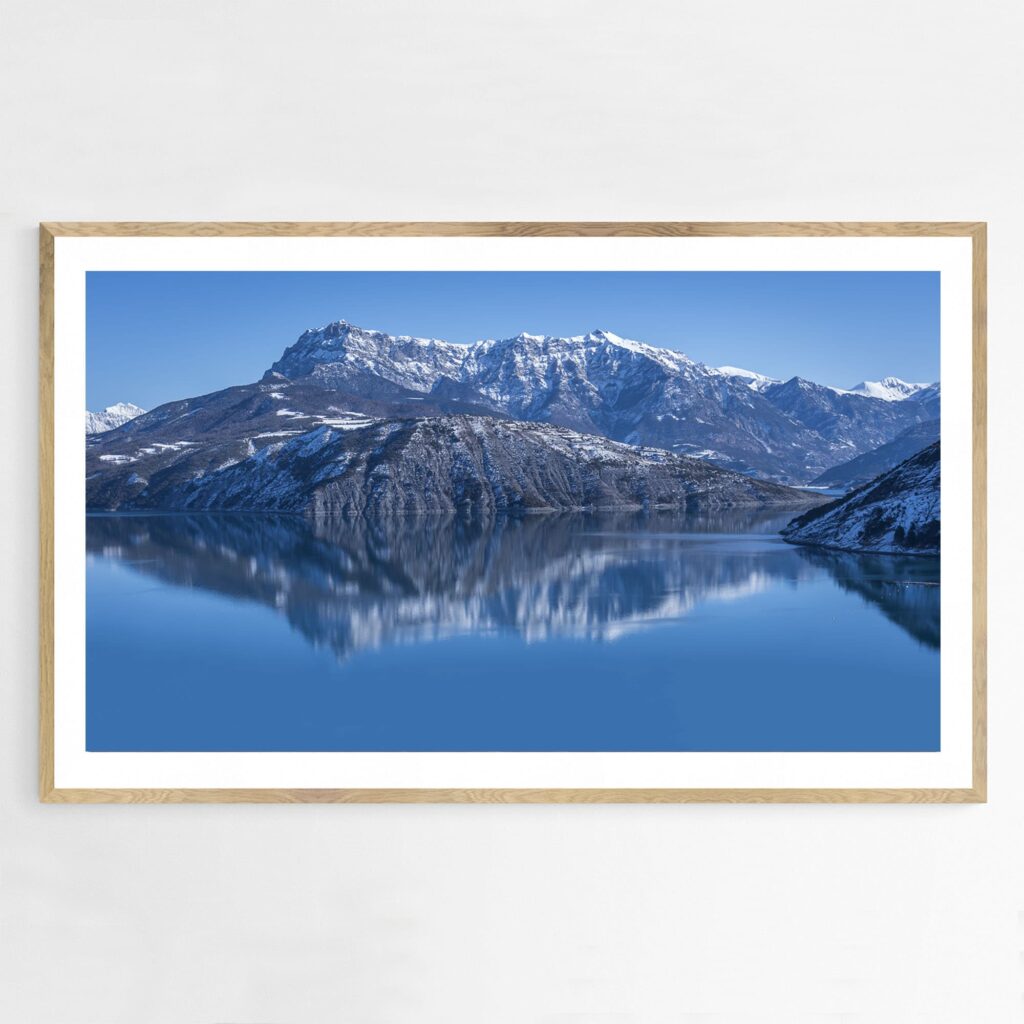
pixel 606 512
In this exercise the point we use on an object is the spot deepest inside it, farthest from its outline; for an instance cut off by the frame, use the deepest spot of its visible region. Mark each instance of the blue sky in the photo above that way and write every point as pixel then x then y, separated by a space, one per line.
pixel 153 337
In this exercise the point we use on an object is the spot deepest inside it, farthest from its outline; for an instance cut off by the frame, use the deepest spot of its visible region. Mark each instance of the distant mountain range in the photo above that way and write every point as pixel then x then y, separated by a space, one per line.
pixel 897 512
pixel 340 386
pixel 889 389
pixel 111 417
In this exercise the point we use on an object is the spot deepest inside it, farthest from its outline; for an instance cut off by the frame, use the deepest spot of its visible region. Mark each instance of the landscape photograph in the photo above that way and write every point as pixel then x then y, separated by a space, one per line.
pixel 512 511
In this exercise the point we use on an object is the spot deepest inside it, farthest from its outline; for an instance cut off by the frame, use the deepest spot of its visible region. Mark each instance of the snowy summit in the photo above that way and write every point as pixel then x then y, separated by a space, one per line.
pixel 113 416
pixel 753 380
pixel 889 389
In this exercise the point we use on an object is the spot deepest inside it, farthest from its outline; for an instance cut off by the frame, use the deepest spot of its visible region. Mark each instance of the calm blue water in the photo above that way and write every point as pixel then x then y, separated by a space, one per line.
pixel 574 632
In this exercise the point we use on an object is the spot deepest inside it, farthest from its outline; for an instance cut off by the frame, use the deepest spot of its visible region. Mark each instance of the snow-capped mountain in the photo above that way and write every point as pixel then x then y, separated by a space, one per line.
pixel 850 423
pixel 888 389
pixel 897 512
pixel 111 417
pixel 929 400
pixel 343 356
pixel 601 383
pixel 755 381
pixel 362 388
pixel 429 464
pixel 520 372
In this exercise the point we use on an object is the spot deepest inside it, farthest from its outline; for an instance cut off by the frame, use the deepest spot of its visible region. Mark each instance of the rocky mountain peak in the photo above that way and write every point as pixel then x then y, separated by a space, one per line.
pixel 112 416
pixel 597 383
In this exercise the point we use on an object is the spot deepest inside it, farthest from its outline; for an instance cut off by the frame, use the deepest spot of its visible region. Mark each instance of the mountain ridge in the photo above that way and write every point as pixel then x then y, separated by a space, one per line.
pixel 866 467
pixel 889 389
pixel 625 398
pixel 432 464
pixel 602 383
pixel 897 512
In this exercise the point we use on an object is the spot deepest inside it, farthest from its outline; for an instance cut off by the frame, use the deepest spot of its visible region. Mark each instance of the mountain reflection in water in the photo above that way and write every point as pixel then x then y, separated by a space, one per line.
pixel 904 587
pixel 355 584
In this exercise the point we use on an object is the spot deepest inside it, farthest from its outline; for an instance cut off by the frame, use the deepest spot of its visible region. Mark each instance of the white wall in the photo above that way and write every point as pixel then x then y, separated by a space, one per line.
pixel 297 109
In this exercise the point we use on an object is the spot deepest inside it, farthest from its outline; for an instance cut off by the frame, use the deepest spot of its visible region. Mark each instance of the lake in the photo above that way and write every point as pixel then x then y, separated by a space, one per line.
pixel 603 632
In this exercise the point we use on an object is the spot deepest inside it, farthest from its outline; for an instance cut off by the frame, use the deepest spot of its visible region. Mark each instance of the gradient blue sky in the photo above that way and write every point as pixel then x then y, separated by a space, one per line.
pixel 153 337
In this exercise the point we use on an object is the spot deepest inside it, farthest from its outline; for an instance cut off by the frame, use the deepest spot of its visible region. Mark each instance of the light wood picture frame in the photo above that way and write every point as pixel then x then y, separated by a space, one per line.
pixel 54 786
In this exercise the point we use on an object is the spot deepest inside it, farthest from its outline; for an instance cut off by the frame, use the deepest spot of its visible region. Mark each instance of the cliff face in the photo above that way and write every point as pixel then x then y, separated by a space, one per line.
pixel 896 512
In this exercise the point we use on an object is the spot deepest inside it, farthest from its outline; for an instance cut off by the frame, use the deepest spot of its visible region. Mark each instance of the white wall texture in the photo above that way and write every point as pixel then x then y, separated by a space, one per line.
pixel 464 109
